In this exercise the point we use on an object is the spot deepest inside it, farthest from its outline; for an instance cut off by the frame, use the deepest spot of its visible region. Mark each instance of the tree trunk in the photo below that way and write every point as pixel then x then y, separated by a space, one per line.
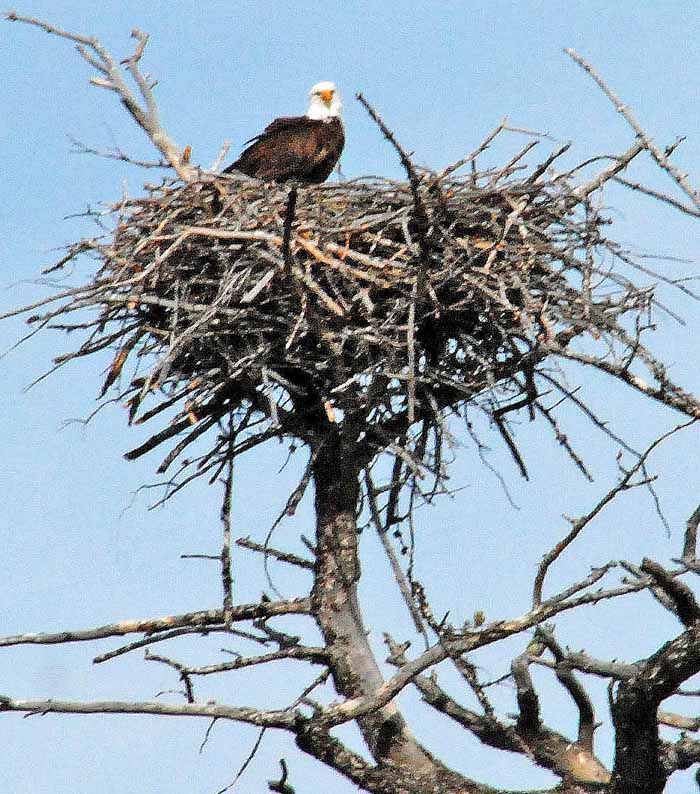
pixel 335 604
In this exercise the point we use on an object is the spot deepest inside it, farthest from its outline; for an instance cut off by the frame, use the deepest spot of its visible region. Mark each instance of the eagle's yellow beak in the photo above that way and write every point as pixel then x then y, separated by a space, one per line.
pixel 326 96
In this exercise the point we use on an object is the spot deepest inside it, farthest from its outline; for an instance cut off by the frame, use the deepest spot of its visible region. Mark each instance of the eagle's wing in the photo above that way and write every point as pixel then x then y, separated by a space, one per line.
pixel 285 149
pixel 277 125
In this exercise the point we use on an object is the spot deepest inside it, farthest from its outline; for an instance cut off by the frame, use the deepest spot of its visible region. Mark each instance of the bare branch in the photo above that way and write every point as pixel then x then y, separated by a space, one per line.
pixel 661 158
pixel 115 154
pixel 687 608
pixel 382 530
pixel 146 117
pixel 226 543
pixel 604 176
pixel 299 652
pixel 203 619
pixel 288 223
pixel 283 556
pixel 618 671
pixel 624 483
pixel 657 194
pixel 586 725
pixel 179 667
pixel 270 719
pixel 154 640
pixel 421 214
pixel 691 534
pixel 281 784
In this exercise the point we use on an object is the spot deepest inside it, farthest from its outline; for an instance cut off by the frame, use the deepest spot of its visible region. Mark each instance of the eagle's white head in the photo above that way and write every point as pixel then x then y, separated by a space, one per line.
pixel 324 101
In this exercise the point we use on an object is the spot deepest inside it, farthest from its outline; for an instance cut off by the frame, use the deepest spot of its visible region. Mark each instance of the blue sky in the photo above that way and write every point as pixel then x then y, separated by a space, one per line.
pixel 81 547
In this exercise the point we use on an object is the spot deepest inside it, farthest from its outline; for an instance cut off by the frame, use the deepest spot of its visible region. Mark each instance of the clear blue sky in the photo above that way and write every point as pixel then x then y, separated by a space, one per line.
pixel 79 549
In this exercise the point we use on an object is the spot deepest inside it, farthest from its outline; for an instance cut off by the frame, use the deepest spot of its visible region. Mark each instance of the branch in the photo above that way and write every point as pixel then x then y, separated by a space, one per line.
pixel 686 607
pixel 421 213
pixel 99 58
pixel 313 655
pixel 639 767
pixel 383 529
pixel 529 721
pixel 225 556
pixel 269 719
pixel 680 755
pixel 543 746
pixel 680 721
pixel 691 534
pixel 661 158
pixel 657 592
pixel 489 730
pixel 203 619
pixel 154 639
pixel 621 162
pixel 115 154
pixel 666 392
pixel 580 523
pixel 470 158
pixel 313 738
pixel 281 784
pixel 283 556
pixel 618 671
pixel 658 195
pixel 289 214
pixel 586 723
pixel 181 670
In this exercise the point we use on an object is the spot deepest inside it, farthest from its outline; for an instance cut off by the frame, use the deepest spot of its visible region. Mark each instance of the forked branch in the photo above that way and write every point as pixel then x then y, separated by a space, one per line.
pixel 661 158
pixel 142 105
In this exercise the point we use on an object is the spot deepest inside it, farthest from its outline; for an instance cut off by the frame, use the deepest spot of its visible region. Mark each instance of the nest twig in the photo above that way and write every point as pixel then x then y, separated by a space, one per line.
pixel 374 319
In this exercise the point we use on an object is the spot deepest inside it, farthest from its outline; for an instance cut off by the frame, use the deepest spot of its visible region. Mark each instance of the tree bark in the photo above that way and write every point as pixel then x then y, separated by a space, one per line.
pixel 336 609
pixel 639 765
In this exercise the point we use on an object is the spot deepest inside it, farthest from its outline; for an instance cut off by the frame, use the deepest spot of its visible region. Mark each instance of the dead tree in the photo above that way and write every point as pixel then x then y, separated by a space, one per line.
pixel 363 329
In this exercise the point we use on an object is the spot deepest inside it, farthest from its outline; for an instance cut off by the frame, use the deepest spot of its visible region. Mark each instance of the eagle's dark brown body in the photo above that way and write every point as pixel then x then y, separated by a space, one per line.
pixel 293 147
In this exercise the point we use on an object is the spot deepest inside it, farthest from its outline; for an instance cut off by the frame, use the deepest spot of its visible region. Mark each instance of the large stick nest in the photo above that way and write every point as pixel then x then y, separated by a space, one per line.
pixel 373 305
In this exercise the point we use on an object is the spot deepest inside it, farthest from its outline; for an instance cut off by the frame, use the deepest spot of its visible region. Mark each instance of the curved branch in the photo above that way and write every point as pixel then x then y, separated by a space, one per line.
pixel 566 677
pixel 550 749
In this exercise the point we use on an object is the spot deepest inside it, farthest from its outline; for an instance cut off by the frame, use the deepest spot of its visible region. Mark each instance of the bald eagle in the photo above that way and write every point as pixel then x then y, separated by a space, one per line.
pixel 302 148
